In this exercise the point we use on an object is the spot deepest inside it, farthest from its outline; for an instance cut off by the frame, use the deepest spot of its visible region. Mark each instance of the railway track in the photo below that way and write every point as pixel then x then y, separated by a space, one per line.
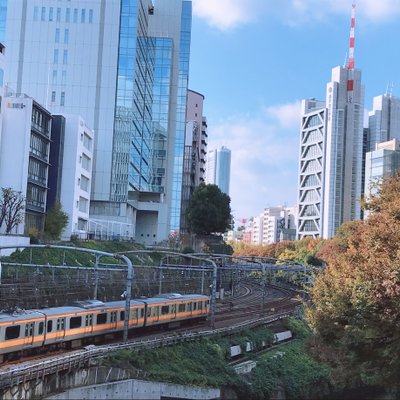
pixel 245 305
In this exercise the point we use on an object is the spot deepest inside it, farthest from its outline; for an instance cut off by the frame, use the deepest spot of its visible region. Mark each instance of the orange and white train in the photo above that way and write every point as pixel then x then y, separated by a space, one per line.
pixel 90 321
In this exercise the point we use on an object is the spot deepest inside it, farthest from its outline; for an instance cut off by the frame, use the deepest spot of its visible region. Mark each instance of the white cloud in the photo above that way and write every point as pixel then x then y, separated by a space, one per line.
pixel 228 14
pixel 288 115
pixel 264 160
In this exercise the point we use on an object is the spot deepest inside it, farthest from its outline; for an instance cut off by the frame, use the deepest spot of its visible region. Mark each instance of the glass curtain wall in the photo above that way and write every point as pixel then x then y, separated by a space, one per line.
pixel 3 17
pixel 132 125
pixel 161 98
pixel 184 55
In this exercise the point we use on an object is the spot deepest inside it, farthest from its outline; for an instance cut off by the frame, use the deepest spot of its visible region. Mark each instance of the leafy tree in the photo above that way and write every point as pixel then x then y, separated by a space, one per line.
pixel 209 210
pixel 56 220
pixel 11 208
pixel 356 301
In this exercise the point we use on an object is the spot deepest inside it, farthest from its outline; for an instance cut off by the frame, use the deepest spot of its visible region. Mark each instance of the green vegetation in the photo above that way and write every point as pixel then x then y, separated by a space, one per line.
pixel 205 363
pixel 209 210
pixel 56 220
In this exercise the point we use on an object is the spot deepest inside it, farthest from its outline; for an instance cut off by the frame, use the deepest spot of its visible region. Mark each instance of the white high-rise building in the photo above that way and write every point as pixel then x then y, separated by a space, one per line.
pixel 311 173
pixel 218 168
pixel 123 66
pixel 331 166
pixel 383 120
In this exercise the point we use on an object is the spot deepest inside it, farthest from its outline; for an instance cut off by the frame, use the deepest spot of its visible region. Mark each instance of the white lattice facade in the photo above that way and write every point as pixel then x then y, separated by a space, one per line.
pixel 311 175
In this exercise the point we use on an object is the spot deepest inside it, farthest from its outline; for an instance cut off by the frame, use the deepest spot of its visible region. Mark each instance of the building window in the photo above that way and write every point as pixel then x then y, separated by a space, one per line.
pixel 55 58
pixel 87 142
pixel 83 204
pixel 58 18
pixel 43 16
pixel 53 96
pixel 65 56
pixel 63 77
pixel 66 36
pixel 67 15
pixel 62 99
pixel 90 16
pixel 35 13
pixel 75 18
pixel 51 14
pixel 83 15
pixel 86 162
pixel 84 183
pixel 57 37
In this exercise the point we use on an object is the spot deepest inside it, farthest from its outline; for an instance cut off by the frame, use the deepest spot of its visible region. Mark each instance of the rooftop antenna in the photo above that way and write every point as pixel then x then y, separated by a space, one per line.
pixel 350 64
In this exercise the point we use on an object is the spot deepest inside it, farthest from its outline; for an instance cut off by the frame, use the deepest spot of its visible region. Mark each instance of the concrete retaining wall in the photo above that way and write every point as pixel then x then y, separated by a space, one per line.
pixel 136 389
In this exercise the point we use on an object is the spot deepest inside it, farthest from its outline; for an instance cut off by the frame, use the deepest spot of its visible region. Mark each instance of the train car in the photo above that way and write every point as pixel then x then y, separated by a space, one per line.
pixel 89 321
pixel 173 308
pixel 21 331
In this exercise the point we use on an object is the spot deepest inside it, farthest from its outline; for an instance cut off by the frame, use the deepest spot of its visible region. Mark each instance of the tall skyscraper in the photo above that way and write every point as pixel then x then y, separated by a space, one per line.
pixel 218 168
pixel 123 66
pixel 340 157
pixel 383 120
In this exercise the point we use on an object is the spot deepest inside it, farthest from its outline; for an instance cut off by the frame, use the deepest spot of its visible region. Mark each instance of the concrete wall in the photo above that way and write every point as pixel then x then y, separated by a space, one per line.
pixel 136 389
pixel 12 240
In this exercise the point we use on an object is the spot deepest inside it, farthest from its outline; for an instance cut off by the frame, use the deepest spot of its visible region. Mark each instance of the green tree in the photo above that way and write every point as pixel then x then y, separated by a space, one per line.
pixel 11 208
pixel 209 210
pixel 355 307
pixel 56 221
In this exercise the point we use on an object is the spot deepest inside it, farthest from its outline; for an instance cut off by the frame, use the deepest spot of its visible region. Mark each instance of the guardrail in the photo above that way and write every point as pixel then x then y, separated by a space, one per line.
pixel 22 374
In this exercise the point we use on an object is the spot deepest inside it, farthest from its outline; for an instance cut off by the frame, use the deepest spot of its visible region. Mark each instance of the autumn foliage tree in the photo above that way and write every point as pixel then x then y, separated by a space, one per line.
pixel 355 307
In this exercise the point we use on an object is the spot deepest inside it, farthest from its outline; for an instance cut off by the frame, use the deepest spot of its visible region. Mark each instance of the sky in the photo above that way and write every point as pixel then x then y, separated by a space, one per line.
pixel 255 60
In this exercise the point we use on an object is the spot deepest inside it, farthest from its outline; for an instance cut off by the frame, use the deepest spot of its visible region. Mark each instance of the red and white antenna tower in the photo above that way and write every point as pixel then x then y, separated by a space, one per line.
pixel 350 64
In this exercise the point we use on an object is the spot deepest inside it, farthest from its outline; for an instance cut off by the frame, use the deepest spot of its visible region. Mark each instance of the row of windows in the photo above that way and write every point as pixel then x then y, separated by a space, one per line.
pixel 54 97
pixel 66 35
pixel 64 59
pixel 55 14
pixel 13 332
pixel 63 77
pixel 38 146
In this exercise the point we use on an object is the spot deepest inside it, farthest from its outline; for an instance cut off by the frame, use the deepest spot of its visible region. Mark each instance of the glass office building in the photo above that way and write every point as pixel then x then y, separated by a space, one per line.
pixel 123 66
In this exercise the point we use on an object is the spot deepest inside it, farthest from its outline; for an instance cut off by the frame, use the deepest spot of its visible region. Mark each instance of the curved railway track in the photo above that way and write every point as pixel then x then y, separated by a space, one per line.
pixel 245 305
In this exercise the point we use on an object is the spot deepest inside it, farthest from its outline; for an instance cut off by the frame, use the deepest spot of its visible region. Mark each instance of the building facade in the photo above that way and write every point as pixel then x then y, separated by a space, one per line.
pixel 24 157
pixel 122 66
pixel 311 170
pixel 195 151
pixel 218 168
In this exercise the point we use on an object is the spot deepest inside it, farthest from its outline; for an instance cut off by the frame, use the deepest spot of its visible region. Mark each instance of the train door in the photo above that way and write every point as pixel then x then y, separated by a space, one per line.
pixel 172 311
pixel 29 333
pixel 60 328
pixel 88 323
pixel 113 319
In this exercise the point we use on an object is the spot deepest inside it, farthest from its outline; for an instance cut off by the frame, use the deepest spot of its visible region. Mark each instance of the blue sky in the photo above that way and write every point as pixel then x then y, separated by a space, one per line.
pixel 254 60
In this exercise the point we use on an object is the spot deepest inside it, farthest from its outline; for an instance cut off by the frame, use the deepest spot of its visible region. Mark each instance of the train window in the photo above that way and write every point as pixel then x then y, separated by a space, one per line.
pixel 194 306
pixel 49 326
pixel 164 310
pixel 12 332
pixel 89 320
pixel 75 322
pixel 41 328
pixel 101 318
pixel 60 324
pixel 181 308
pixel 122 316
